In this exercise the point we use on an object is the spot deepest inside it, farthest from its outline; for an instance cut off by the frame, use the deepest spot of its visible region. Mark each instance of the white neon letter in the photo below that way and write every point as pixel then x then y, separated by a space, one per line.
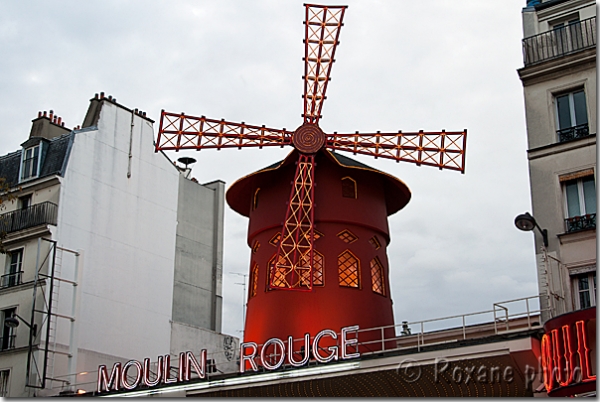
pixel 104 384
pixel 249 358
pixel 159 372
pixel 347 342
pixel 190 361
pixel 306 351
pixel 265 362
pixel 332 349
pixel 138 375
pixel 167 371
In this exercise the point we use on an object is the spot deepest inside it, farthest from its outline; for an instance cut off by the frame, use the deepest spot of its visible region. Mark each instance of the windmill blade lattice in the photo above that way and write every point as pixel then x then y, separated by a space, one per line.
pixel 293 264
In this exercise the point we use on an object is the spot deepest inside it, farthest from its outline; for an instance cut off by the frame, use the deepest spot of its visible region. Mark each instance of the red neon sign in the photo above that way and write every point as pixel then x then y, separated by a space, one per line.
pixel 566 352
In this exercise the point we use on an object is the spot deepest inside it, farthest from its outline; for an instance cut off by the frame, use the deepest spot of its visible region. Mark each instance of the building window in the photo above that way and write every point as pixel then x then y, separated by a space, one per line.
pixel 255 247
pixel 580 199
pixel 347 236
pixel 277 274
pixel 377 283
pixel 8 336
pixel 31 161
pixel 4 377
pixel 374 241
pixel 568 36
pixel 13 269
pixel 254 280
pixel 571 116
pixel 275 239
pixel 255 199
pixel 25 201
pixel 349 270
pixel 585 286
pixel 349 187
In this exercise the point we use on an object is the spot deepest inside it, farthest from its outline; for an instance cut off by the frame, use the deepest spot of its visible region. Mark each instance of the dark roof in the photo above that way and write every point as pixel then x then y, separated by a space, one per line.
pixel 54 159
pixel 240 192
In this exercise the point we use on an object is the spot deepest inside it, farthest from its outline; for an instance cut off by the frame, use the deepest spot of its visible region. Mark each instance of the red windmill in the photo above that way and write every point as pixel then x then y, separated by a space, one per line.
pixel 336 219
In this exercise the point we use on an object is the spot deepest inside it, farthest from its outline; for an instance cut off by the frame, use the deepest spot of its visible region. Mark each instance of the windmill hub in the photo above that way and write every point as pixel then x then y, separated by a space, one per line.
pixel 308 138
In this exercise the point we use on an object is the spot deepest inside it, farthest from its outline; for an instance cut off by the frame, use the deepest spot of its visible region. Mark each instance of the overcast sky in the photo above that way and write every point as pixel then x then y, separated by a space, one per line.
pixel 402 65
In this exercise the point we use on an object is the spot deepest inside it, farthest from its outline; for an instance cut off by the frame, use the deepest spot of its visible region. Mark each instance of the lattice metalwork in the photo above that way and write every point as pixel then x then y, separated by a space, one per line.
pixel 377 277
pixel 180 131
pixel 349 270
pixel 317 271
pixel 347 236
pixel 276 278
pixel 318 268
pixel 295 248
pixel 317 235
pixel 322 31
pixel 445 150
pixel 374 241
pixel 254 280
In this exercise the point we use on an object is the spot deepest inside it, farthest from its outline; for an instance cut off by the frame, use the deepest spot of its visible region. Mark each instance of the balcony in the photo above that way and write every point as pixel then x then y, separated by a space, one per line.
pixel 573 133
pixel 560 42
pixel 577 223
pixel 35 215
pixel 12 279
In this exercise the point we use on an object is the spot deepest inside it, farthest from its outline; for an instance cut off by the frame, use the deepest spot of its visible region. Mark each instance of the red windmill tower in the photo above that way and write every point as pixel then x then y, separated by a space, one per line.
pixel 318 248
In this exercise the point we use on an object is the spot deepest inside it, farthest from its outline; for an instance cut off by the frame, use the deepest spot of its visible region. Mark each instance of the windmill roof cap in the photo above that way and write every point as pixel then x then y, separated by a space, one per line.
pixel 240 192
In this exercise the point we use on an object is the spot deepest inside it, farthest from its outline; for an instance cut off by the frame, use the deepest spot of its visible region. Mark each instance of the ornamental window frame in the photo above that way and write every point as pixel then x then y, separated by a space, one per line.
pixel 342 270
pixel 377 270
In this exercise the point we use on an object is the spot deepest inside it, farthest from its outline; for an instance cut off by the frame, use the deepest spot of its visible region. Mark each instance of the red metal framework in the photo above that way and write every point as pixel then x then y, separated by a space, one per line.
pixel 293 266
pixel 321 37
pixel 181 131
pixel 293 270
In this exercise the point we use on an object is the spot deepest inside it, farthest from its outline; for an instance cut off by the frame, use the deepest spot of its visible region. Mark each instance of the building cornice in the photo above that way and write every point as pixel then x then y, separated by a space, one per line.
pixel 559 147
pixel 558 67
pixel 551 8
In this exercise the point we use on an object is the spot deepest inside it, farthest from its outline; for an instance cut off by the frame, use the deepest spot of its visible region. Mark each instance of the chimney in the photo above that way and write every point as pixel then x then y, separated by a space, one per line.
pixel 48 125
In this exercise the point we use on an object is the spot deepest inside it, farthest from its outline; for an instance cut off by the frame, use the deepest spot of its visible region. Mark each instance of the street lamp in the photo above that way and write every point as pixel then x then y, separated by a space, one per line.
pixel 12 322
pixel 526 222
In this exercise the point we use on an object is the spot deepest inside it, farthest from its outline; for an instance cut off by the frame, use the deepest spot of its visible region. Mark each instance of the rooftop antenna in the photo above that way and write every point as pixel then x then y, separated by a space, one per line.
pixel 243 299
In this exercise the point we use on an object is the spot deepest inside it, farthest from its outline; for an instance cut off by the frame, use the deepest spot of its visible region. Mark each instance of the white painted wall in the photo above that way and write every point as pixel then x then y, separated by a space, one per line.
pixel 126 226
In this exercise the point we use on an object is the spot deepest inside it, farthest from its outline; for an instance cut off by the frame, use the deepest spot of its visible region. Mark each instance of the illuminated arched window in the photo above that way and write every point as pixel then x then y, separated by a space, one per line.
pixel 349 187
pixel 349 270
pixel 255 199
pixel 255 247
pixel 278 275
pixel 253 280
pixel 317 270
pixel 377 284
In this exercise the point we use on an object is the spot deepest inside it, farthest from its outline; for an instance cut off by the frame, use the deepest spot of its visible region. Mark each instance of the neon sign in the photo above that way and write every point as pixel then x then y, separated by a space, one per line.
pixel 120 374
pixel 281 352
pixel 566 352
pixel 133 374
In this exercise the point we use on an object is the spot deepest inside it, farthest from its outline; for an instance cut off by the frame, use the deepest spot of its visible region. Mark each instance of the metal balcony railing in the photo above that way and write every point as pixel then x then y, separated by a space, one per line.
pixel 13 279
pixel 560 42
pixel 572 133
pixel 7 342
pixel 578 223
pixel 39 214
